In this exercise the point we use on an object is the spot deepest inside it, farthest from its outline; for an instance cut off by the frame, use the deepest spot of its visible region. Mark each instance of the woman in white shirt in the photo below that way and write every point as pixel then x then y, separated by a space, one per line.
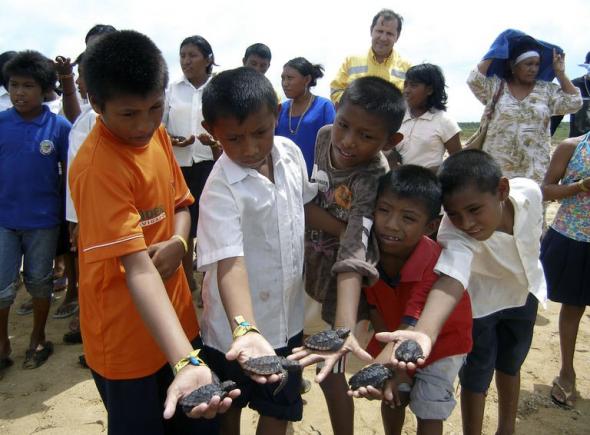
pixel 182 118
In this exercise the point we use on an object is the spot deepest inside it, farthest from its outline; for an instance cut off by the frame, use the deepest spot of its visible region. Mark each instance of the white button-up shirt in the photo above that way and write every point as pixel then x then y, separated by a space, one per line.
pixel 183 117
pixel 78 134
pixel 243 214
pixel 501 271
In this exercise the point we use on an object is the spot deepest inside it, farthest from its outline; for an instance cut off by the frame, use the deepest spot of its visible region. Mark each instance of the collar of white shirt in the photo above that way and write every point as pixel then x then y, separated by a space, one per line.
pixel 428 115
pixel 236 173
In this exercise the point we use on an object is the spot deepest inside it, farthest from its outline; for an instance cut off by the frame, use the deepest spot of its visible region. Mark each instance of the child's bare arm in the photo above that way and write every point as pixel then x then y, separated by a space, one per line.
pixel 232 278
pixel 71 105
pixel 442 300
pixel 151 299
pixel 167 255
pixel 319 219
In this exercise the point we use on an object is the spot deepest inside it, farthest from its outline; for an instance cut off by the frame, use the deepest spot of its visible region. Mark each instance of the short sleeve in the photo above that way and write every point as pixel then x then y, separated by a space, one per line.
pixel 182 194
pixel 457 254
pixel 562 103
pixel 420 292
pixel 219 229
pixel 329 112
pixel 70 209
pixel 110 221
pixel 482 87
pixel 448 127
pixel 354 244
pixel 63 138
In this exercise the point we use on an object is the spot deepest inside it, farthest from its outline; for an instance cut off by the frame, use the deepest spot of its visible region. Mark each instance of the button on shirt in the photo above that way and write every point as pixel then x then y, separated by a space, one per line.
pixel 183 117
pixel 499 272
pixel 243 214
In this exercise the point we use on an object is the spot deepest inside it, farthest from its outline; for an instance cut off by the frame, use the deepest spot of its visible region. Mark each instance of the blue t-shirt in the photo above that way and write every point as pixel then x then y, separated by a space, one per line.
pixel 319 114
pixel 30 179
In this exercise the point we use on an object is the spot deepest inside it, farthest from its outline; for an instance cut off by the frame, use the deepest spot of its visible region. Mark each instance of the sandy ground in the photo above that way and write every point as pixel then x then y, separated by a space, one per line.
pixel 60 397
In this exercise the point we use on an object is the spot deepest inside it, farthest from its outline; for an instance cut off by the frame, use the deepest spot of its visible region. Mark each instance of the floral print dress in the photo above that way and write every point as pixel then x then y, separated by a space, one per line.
pixel 519 135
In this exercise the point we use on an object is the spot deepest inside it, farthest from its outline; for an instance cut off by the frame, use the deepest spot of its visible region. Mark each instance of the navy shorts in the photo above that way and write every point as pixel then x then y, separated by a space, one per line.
pixel 286 405
pixel 135 406
pixel 501 341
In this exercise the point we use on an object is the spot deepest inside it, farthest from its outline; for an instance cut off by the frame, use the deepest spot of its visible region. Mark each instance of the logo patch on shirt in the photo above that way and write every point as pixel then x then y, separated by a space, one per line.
pixel 150 217
pixel 320 177
pixel 46 147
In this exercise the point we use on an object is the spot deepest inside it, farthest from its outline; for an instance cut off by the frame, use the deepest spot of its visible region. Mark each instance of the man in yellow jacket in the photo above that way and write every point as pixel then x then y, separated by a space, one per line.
pixel 381 60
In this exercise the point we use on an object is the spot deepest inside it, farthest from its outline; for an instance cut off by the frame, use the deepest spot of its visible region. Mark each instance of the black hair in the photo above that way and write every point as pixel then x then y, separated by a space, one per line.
pixel 306 68
pixel 416 183
pixel 430 75
pixel 5 57
pixel 587 57
pixel 204 47
pixel 259 49
pixel 519 45
pixel 99 29
pixel 32 64
pixel 79 59
pixel 237 93
pixel 378 97
pixel 469 168
pixel 124 62
pixel 388 15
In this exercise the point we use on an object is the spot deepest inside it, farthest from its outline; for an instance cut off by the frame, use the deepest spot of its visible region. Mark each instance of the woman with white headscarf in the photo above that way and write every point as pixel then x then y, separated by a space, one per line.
pixel 518 135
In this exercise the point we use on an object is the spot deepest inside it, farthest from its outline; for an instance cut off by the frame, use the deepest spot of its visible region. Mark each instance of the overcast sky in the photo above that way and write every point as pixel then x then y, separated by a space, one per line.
pixel 452 34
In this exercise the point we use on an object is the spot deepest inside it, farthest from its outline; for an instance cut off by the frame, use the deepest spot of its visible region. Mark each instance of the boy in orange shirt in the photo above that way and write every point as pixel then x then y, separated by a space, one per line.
pixel 136 311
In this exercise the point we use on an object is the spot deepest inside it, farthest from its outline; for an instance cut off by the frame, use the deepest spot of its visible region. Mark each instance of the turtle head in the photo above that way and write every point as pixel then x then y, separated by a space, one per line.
pixel 343 332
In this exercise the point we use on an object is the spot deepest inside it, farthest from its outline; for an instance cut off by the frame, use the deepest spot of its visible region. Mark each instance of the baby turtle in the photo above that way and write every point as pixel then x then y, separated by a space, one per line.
pixel 205 393
pixel 374 375
pixel 270 365
pixel 409 351
pixel 331 339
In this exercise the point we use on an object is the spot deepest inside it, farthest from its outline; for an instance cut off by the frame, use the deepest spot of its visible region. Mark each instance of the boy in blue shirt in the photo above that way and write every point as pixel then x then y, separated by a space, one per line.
pixel 33 146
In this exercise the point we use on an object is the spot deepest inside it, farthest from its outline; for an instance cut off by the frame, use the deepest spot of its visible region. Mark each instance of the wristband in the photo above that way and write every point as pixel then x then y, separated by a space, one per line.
pixel 192 359
pixel 582 187
pixel 243 327
pixel 181 239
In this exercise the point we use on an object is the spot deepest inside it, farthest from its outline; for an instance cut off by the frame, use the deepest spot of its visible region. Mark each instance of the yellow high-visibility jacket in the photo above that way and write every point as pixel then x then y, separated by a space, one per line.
pixel 392 69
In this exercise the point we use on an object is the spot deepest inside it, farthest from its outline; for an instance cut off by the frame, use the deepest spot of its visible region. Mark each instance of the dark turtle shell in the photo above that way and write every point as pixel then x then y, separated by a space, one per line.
pixel 374 375
pixel 268 365
pixel 331 339
pixel 409 351
pixel 205 393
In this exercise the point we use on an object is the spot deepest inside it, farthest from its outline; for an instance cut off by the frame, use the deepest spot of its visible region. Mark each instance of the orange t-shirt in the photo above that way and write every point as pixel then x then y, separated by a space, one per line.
pixel 125 198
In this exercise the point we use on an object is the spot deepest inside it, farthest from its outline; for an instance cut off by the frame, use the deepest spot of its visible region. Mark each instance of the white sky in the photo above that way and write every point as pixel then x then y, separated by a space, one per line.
pixel 452 34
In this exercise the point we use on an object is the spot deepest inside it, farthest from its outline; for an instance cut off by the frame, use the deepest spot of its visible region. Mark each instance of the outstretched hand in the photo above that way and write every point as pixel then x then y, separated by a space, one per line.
pixel 179 141
pixel 186 381
pixel 252 345
pixel 397 337
pixel 307 356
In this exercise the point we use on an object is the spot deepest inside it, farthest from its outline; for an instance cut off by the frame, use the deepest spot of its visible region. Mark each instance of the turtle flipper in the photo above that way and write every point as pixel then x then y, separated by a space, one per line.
pixel 284 380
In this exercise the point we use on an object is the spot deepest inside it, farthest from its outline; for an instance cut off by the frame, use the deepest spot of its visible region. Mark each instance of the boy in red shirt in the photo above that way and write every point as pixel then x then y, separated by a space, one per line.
pixel 406 212
pixel 137 319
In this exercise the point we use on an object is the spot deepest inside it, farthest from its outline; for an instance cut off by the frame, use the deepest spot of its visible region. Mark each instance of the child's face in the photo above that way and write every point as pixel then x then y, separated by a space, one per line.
pixel 358 136
pixel 477 213
pixel 247 143
pixel 257 63
pixel 132 118
pixel 416 94
pixel 400 223
pixel 26 96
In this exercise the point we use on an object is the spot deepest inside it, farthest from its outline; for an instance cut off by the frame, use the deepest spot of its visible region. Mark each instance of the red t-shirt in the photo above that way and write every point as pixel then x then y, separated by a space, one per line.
pixel 406 301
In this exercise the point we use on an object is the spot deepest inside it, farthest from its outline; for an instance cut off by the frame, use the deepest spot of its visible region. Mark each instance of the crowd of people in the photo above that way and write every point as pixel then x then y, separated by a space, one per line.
pixel 305 215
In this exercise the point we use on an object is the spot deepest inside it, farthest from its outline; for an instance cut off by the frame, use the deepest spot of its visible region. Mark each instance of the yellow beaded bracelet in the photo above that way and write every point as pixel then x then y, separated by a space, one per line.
pixel 184 244
pixel 243 327
pixel 192 358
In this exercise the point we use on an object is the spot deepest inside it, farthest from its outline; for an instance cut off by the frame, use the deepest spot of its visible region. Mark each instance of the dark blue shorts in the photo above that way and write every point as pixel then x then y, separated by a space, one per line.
pixel 135 406
pixel 286 405
pixel 501 341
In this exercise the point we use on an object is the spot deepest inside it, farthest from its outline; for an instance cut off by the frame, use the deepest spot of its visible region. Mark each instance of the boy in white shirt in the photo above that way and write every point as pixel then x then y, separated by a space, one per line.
pixel 250 233
pixel 490 235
